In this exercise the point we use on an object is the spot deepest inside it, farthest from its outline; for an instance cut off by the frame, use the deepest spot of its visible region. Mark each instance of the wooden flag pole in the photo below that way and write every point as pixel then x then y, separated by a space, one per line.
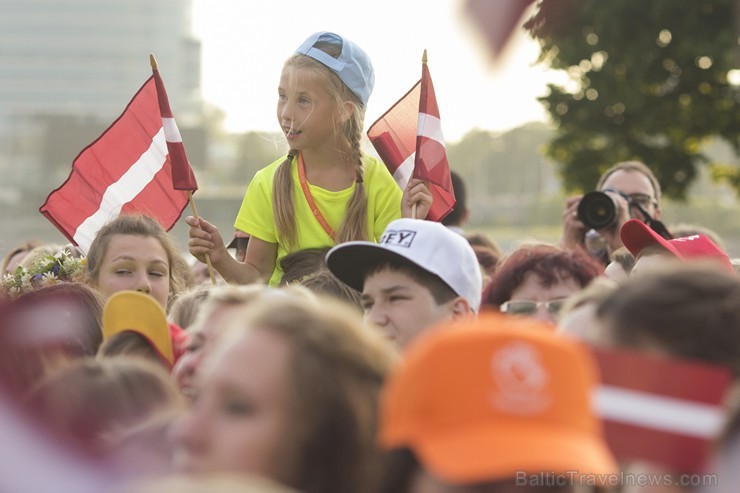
pixel 211 272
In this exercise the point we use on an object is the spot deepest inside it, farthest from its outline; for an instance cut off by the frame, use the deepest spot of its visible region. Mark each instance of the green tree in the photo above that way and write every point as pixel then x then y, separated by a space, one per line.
pixel 648 80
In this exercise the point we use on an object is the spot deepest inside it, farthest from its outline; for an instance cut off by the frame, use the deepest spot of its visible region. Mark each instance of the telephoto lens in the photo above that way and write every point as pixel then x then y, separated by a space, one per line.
pixel 597 210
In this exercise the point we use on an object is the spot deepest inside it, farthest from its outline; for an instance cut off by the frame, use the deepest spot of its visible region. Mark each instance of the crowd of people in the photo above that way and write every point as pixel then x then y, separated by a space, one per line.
pixel 344 343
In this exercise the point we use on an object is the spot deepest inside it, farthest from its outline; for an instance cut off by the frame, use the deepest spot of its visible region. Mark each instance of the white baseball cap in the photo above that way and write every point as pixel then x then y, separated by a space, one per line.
pixel 428 245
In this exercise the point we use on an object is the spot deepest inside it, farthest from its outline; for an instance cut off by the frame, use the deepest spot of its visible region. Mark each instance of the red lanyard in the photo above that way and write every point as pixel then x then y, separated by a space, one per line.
pixel 309 198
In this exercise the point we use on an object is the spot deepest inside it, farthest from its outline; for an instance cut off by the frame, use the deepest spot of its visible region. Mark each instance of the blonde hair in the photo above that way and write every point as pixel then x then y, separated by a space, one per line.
pixel 185 306
pixel 338 367
pixel 354 223
pixel 227 295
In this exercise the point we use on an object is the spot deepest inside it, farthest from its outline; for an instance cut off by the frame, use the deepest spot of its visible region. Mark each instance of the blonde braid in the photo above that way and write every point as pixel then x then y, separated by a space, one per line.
pixel 354 224
pixel 282 202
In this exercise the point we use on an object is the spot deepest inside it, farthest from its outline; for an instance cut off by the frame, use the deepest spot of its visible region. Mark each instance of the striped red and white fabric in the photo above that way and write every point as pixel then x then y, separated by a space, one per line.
pixel 661 410
pixel 431 154
pixel 136 165
pixel 182 174
pixel 409 140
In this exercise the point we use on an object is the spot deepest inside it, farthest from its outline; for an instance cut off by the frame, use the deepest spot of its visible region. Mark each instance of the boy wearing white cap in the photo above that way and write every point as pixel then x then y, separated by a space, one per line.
pixel 419 274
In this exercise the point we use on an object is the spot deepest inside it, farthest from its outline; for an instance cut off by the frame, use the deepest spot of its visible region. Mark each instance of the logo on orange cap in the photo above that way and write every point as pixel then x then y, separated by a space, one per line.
pixel 522 379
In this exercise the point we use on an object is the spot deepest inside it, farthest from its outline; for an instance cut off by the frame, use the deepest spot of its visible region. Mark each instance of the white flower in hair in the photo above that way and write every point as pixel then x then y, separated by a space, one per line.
pixel 48 278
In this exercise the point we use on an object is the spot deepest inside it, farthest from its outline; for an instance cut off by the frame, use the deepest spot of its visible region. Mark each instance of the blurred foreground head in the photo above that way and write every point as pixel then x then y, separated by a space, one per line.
pixel 289 391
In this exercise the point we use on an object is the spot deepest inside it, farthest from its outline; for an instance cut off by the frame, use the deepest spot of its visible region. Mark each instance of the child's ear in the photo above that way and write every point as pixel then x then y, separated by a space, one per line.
pixel 346 111
pixel 460 308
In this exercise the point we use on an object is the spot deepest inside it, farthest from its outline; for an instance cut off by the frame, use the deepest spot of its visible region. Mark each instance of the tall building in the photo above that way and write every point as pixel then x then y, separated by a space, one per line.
pixel 69 67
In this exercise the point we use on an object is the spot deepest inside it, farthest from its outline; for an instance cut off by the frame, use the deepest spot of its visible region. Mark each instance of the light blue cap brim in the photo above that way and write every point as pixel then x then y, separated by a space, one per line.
pixel 353 65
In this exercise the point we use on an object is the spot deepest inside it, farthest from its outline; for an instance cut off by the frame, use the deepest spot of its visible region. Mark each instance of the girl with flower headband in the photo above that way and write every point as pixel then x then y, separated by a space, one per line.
pixel 326 190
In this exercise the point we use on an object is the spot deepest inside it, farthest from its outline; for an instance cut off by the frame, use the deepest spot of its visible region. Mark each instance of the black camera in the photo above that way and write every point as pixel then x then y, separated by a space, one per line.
pixel 597 210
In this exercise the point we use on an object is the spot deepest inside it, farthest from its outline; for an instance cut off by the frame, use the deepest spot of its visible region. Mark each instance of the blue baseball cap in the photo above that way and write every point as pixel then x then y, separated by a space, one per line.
pixel 353 66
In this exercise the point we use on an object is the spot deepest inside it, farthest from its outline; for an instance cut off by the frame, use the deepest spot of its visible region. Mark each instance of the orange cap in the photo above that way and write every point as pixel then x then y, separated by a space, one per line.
pixel 494 397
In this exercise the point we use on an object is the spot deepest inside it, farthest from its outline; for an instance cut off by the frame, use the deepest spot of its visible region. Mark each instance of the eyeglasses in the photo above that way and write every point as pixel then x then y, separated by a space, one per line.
pixel 642 199
pixel 527 307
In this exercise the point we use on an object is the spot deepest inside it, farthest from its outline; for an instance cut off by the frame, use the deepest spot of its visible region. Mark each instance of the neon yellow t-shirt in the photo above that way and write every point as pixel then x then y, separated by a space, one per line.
pixel 256 216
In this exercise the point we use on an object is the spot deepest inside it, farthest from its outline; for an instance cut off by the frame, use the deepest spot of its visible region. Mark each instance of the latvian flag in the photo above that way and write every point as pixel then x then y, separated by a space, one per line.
pixel 661 410
pixel 137 165
pixel 409 140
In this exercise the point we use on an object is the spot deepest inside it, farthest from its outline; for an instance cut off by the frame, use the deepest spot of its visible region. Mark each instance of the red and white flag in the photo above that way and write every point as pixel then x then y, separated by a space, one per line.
pixel 137 165
pixel 659 409
pixel 409 140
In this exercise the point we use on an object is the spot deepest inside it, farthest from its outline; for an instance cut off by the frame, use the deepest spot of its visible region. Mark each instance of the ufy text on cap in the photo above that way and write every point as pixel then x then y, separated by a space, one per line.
pixel 428 245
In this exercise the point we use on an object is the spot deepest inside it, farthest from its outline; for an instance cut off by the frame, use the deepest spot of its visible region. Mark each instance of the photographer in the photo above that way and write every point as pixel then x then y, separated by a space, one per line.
pixel 635 193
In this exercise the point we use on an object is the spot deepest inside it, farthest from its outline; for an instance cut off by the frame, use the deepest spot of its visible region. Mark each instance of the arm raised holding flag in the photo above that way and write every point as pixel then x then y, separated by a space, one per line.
pixel 409 140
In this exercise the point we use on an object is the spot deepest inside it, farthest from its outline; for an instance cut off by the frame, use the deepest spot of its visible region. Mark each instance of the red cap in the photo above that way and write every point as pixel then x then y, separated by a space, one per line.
pixel 179 339
pixel 636 236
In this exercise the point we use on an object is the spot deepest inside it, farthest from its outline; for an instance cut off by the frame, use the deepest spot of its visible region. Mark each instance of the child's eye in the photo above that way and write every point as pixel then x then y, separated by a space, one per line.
pixel 367 305
pixel 157 274
pixel 123 271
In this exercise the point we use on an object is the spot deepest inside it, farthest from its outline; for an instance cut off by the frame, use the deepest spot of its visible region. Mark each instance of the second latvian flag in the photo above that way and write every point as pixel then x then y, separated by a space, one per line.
pixel 409 140
pixel 138 165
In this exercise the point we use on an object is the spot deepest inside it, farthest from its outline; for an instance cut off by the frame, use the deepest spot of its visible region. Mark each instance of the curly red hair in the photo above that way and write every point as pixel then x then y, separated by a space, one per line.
pixel 549 263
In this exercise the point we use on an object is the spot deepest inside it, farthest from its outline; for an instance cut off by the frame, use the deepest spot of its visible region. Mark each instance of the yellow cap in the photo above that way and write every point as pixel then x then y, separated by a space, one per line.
pixel 140 313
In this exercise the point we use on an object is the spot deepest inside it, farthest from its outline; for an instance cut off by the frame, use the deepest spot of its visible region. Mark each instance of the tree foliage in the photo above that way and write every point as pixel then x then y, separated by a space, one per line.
pixel 647 80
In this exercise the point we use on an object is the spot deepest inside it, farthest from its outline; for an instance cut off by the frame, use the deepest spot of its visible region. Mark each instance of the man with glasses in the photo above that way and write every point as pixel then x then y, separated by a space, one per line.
pixel 636 194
